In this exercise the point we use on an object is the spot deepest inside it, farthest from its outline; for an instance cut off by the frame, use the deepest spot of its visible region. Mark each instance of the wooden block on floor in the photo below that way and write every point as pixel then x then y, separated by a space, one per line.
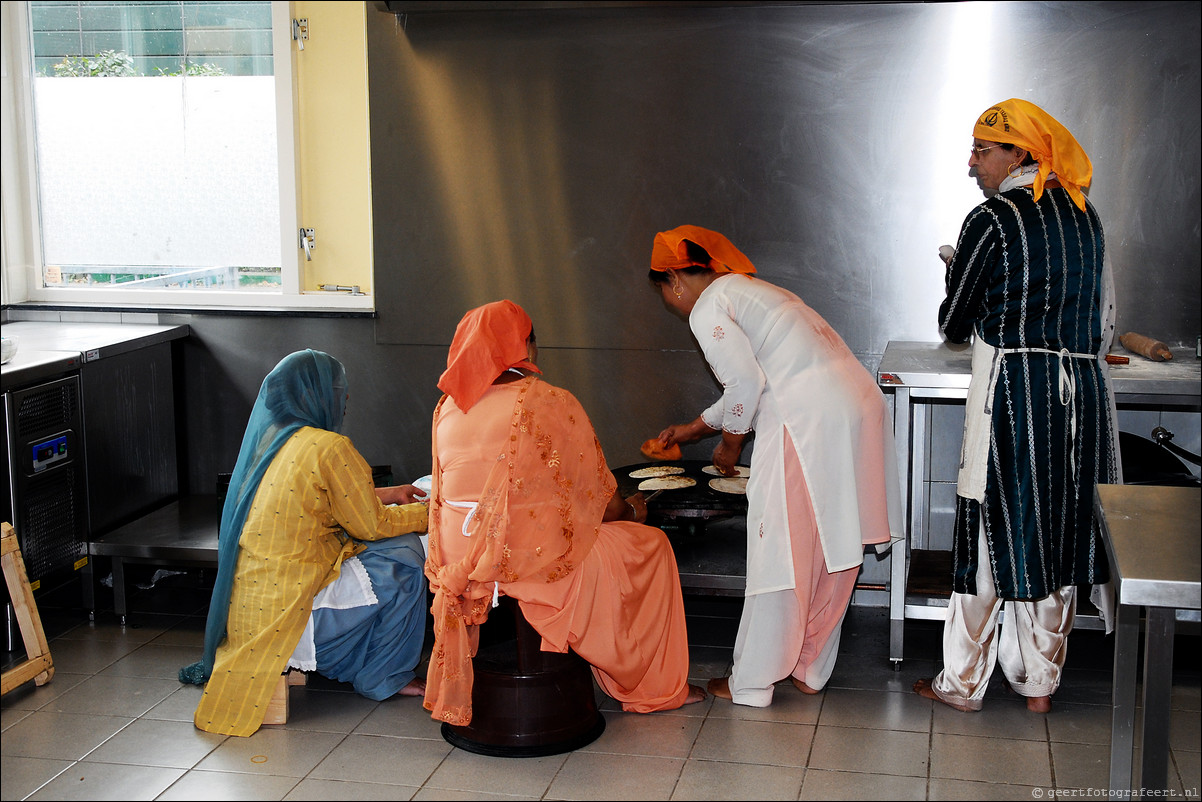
pixel 277 708
pixel 37 665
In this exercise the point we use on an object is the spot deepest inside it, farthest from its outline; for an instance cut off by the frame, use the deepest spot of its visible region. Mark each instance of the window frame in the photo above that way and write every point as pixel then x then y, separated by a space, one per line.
pixel 21 226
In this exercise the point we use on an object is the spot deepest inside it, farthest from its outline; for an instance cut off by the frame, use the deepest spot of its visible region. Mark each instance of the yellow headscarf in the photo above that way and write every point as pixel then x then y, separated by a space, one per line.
pixel 669 252
pixel 1019 122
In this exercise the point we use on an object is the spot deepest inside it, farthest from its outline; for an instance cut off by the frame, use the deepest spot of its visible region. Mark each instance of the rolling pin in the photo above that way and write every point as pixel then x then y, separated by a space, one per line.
pixel 1146 346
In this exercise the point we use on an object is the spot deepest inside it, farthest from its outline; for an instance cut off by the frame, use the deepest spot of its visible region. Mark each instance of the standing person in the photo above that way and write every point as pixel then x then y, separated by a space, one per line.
pixel 297 585
pixel 1027 283
pixel 523 504
pixel 824 480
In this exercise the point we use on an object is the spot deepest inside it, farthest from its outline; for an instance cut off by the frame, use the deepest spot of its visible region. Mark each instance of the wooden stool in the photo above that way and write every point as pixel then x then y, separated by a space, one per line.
pixel 277 708
pixel 37 665
pixel 526 702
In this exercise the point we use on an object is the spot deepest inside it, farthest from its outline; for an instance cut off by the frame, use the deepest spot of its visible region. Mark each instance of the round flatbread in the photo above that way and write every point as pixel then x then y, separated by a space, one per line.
pixel 733 485
pixel 656 470
pixel 741 472
pixel 667 483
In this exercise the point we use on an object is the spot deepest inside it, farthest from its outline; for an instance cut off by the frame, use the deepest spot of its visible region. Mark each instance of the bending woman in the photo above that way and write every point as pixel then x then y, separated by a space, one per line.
pixel 524 504
pixel 824 479
pixel 297 585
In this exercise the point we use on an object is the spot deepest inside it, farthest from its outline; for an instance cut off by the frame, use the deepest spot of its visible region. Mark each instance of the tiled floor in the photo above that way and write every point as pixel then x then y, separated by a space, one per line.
pixel 116 724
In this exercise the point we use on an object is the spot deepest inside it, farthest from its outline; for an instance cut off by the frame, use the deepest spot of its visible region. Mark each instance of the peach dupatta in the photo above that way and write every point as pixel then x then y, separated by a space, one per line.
pixel 555 484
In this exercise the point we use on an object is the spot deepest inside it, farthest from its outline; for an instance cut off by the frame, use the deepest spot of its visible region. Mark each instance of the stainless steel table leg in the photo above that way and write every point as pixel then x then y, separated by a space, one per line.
pixel 898 557
pixel 1122 724
pixel 119 589
pixel 1158 688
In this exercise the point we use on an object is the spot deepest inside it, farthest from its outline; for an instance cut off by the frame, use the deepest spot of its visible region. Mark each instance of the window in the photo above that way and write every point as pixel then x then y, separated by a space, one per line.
pixel 158 153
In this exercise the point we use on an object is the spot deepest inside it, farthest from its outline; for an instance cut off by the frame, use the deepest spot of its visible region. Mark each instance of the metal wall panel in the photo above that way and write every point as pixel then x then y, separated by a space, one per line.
pixel 534 154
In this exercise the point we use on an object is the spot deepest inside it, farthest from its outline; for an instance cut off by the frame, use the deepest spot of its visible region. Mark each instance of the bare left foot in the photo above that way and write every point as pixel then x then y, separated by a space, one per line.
pixel 923 688
pixel 696 694
pixel 1039 704
pixel 801 686
pixel 720 687
pixel 415 688
pixel 1036 704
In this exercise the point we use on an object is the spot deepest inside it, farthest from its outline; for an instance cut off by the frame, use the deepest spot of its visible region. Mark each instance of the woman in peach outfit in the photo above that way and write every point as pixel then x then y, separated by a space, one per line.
pixel 523 504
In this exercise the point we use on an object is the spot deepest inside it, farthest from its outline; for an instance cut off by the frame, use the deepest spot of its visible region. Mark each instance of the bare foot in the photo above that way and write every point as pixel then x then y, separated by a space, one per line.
pixel 720 687
pixel 801 686
pixel 1039 704
pixel 1036 704
pixel 923 688
pixel 696 694
pixel 415 688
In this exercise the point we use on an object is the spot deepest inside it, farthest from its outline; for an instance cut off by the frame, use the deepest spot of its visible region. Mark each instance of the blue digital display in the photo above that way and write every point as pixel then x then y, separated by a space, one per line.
pixel 49 452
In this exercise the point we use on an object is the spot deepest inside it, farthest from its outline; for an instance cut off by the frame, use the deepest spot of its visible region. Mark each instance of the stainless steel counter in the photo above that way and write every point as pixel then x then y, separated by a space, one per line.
pixel 50 348
pixel 922 373
pixel 1152 539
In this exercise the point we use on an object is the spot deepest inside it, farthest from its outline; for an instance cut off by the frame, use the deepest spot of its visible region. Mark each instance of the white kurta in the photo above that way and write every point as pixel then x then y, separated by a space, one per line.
pixel 787 373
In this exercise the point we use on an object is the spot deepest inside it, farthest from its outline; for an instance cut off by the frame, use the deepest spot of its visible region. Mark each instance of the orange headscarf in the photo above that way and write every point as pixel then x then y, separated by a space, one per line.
pixel 488 341
pixel 668 251
pixel 1019 122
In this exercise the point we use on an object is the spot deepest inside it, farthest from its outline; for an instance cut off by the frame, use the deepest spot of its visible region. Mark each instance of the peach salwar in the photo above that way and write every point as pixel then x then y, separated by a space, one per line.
pixel 519 490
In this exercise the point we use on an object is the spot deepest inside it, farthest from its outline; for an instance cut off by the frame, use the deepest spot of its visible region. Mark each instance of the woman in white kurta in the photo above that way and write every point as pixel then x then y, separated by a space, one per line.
pixel 824 479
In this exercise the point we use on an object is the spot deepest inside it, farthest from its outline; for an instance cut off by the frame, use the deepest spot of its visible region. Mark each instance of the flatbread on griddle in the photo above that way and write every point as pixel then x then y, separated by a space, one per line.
pixel 732 485
pixel 667 483
pixel 741 471
pixel 656 470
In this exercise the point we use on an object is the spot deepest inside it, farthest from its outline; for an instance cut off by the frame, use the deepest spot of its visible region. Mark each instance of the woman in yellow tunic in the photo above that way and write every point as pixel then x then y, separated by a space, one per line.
pixel 524 505
pixel 294 573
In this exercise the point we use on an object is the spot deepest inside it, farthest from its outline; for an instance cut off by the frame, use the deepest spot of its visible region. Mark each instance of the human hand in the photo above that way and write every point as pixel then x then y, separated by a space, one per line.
pixel 726 454
pixel 401 494
pixel 946 252
pixel 638 505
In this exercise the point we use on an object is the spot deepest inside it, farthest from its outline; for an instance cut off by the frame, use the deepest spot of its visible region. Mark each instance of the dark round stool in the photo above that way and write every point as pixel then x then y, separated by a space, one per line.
pixel 526 702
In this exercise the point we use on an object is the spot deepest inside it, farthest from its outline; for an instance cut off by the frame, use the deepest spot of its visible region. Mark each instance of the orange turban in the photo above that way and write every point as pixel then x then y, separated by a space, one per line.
pixel 488 341
pixel 668 251
pixel 1018 122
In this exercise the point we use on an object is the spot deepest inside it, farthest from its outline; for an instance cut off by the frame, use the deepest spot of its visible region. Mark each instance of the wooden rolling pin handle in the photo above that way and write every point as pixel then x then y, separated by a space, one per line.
pixel 1146 347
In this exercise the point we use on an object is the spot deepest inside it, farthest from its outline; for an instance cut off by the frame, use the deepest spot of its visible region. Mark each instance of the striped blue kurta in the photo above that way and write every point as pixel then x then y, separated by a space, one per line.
pixel 1028 274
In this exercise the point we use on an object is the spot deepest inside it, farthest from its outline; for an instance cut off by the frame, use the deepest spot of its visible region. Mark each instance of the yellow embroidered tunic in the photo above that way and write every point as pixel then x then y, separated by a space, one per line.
pixel 316 491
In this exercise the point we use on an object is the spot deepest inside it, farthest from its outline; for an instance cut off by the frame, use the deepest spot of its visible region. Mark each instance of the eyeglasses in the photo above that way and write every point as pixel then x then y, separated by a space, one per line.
pixel 977 150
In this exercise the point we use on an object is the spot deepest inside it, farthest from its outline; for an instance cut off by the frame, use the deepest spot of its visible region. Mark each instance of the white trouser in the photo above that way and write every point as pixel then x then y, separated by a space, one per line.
pixel 1034 640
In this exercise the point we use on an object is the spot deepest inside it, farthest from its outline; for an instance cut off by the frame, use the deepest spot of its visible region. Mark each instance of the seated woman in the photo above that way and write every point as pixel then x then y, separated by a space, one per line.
pixel 296 583
pixel 523 504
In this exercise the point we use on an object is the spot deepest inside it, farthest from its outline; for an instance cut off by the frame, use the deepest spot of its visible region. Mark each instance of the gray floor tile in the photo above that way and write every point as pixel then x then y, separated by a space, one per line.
pixel 394 761
pixel 222 785
pixel 707 779
pixel 152 660
pixel 757 742
pixel 637 734
pixel 881 710
pixel 272 750
pixel 1081 765
pixel 24 775
pixel 60 736
pixel 822 785
pixel 1005 717
pixel 34 697
pixel 104 781
pixel 993 760
pixel 986 792
pixel 315 790
pixel 328 711
pixel 402 718
pixel 467 771
pixel 590 775
pixel 166 744
pixel 881 751
pixel 105 695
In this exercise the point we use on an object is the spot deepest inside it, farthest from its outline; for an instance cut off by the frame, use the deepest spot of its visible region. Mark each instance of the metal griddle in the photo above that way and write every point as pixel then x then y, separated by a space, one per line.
pixel 688 506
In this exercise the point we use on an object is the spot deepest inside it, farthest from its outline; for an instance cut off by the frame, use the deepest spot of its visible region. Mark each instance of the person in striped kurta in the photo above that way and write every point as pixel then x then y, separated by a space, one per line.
pixel 1028 282
pixel 314 571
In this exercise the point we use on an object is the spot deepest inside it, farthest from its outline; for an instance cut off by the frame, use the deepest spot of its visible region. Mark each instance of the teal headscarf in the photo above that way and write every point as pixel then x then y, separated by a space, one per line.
pixel 306 388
